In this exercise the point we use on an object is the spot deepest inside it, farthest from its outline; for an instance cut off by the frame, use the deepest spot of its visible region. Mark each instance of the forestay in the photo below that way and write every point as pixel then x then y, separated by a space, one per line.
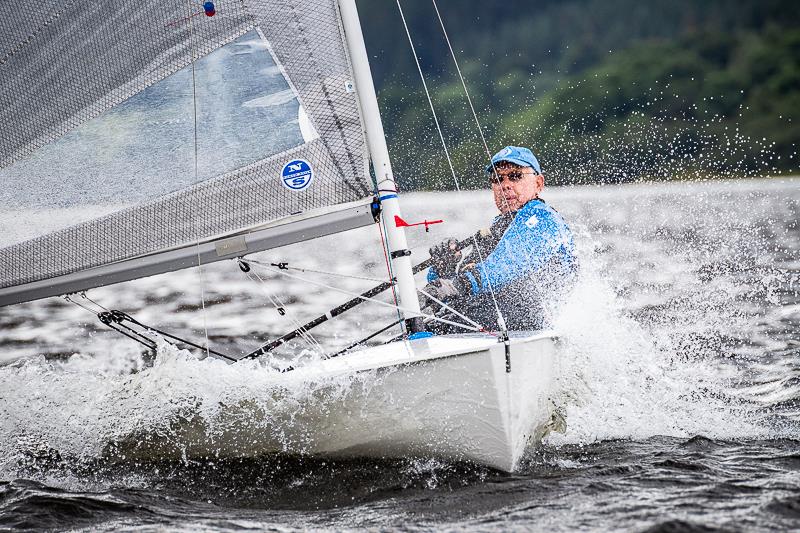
pixel 128 129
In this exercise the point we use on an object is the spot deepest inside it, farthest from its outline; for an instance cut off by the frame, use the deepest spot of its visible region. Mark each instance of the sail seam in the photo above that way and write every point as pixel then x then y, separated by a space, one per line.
pixel 112 97
pixel 331 108
pixel 36 32
pixel 119 208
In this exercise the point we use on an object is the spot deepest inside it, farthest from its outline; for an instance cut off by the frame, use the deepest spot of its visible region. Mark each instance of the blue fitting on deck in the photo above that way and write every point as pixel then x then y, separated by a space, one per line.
pixel 420 335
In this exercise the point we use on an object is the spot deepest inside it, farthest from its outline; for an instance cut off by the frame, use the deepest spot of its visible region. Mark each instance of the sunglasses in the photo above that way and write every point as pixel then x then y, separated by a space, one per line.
pixel 513 176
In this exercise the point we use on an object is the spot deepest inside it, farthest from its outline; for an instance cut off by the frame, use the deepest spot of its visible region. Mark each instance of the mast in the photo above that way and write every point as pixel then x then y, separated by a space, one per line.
pixel 379 153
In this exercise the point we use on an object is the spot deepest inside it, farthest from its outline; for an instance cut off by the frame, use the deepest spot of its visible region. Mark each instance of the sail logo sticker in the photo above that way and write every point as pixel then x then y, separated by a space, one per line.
pixel 297 175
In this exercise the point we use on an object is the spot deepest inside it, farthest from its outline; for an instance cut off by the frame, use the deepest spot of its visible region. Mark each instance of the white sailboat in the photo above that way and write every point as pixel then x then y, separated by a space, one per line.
pixel 76 122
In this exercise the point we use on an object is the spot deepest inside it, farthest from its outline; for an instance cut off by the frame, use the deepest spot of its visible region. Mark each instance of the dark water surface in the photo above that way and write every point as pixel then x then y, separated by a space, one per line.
pixel 679 371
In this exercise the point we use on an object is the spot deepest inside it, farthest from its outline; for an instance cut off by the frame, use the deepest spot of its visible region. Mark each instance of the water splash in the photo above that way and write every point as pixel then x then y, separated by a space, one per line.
pixel 617 383
pixel 84 408
pixel 670 332
pixel 666 332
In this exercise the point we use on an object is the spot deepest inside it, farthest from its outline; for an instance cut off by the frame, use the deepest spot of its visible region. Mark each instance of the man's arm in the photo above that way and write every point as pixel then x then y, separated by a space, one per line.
pixel 533 238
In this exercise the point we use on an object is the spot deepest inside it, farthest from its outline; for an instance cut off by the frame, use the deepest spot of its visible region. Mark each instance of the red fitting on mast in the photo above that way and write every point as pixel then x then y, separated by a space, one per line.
pixel 400 223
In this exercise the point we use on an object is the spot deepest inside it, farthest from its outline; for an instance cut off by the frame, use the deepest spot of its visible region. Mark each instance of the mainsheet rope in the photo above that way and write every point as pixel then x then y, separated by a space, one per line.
pixel 474 327
pixel 501 320
pixel 130 333
pixel 276 301
pixel 286 266
pixel 114 319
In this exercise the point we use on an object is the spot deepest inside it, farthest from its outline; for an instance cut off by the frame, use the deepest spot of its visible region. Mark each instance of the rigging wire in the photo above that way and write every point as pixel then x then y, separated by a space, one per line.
pixel 463 83
pixel 286 266
pixel 501 320
pixel 304 334
pixel 466 93
pixel 389 269
pixel 196 173
pixel 477 327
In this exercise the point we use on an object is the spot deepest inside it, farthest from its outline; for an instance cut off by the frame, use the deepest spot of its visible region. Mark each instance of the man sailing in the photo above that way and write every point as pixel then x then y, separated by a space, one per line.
pixel 526 258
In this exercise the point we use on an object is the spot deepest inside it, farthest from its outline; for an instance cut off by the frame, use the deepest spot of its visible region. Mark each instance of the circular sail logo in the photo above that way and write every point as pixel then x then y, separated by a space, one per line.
pixel 297 175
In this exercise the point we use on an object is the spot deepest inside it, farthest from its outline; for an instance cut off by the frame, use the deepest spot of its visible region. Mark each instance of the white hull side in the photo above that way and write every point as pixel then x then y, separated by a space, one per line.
pixel 446 397
pixel 463 406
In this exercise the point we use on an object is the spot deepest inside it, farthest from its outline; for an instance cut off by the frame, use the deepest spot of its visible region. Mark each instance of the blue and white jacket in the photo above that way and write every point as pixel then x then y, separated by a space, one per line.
pixel 537 244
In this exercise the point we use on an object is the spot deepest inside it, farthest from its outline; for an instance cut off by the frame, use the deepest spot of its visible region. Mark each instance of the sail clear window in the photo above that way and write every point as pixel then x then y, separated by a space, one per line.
pixel 151 145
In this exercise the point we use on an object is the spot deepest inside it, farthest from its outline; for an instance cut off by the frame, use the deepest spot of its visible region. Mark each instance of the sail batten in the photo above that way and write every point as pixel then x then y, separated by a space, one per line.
pixel 159 127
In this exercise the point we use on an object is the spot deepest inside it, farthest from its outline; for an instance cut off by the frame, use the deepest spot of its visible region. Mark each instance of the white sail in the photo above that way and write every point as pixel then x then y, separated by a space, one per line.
pixel 156 127
pixel 167 134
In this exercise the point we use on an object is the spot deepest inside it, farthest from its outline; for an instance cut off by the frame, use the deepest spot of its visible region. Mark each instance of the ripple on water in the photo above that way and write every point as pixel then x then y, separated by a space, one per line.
pixel 679 379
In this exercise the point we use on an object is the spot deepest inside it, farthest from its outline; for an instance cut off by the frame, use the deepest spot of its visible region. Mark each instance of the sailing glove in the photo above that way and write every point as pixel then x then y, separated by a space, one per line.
pixel 445 257
pixel 442 289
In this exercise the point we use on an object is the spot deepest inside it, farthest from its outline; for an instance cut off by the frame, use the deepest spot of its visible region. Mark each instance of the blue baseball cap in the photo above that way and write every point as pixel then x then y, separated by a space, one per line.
pixel 517 155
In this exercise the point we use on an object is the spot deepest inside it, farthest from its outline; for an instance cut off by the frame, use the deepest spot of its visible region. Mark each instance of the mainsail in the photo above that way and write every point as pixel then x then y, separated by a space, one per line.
pixel 133 130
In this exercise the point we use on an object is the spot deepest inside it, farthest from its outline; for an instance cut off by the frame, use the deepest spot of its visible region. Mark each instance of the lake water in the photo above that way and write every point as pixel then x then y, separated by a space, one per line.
pixel 679 373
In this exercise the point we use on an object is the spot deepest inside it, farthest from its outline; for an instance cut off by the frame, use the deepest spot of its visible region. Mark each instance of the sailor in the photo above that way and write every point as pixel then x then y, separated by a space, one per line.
pixel 522 265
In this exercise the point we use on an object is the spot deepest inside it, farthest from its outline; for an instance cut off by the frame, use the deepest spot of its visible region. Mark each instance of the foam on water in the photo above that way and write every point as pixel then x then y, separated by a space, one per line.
pixel 673 325
pixel 82 408
pixel 626 372
pixel 618 383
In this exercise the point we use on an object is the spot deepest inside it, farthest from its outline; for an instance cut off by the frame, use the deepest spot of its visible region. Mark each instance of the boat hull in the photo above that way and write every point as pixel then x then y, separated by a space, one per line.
pixel 460 398
pixel 476 406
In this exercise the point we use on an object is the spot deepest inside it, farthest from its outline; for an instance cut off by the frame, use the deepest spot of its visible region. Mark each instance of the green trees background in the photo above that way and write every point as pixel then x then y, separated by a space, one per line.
pixel 602 91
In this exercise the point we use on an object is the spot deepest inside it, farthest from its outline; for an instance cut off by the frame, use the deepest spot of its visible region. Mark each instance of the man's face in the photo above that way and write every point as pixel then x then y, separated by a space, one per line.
pixel 515 186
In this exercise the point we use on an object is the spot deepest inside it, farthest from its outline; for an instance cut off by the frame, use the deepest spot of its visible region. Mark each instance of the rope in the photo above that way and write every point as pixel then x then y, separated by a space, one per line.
pixel 133 335
pixel 68 298
pixel 83 295
pixel 113 320
pixel 344 291
pixel 129 318
pixel 285 266
pixel 444 146
pixel 365 339
pixel 448 308
pixel 196 173
pixel 384 247
pixel 304 334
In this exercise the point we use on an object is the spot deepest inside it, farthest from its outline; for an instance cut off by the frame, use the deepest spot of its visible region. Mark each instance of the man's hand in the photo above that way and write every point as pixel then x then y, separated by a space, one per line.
pixel 441 289
pixel 445 257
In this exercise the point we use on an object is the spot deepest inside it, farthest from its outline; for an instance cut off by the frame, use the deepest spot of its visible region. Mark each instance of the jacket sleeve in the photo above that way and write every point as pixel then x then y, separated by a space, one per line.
pixel 532 239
